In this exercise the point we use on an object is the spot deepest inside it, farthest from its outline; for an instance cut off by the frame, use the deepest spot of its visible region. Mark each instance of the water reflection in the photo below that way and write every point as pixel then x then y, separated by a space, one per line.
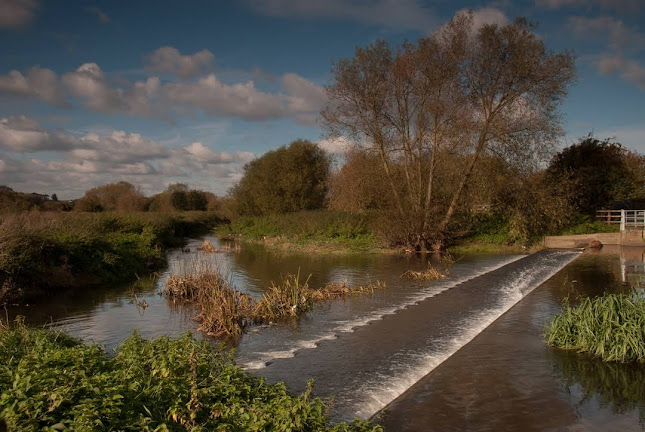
pixel 620 387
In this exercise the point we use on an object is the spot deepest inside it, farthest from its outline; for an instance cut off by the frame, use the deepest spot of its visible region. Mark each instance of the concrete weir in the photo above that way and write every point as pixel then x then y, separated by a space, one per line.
pixel 581 241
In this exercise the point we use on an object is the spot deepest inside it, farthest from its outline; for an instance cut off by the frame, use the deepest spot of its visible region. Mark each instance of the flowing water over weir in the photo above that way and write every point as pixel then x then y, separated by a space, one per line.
pixel 367 361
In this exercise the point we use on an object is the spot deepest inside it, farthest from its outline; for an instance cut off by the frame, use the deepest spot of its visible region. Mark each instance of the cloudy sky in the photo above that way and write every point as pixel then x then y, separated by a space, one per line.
pixel 158 92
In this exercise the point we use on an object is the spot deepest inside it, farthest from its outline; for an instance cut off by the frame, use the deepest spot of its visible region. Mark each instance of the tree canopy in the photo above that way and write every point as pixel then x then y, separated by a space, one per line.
pixel 288 179
pixel 594 173
pixel 430 111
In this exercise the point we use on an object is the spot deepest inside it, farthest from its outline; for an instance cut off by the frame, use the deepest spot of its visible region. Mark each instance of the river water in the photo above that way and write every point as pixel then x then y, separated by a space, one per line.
pixel 461 353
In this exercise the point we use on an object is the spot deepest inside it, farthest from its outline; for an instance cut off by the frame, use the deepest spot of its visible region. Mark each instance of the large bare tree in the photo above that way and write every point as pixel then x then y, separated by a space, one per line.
pixel 442 103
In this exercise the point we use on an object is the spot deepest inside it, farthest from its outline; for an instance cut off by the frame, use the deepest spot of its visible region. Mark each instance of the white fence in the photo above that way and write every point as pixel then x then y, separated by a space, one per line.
pixel 626 218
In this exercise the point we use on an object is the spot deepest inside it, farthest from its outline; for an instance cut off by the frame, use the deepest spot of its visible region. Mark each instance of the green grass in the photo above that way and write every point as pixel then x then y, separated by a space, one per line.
pixel 311 231
pixel 611 327
pixel 586 225
pixel 50 381
pixel 43 252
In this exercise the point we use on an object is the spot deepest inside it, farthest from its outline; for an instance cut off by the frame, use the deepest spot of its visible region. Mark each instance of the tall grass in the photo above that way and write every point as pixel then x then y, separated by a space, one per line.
pixel 50 381
pixel 611 327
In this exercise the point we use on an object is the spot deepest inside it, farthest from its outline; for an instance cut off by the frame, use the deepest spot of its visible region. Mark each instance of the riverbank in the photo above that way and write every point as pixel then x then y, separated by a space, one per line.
pixel 45 252
pixel 50 381
pixel 315 232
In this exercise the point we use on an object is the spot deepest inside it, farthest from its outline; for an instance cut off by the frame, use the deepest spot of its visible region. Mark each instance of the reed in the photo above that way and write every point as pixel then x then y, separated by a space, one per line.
pixel 223 310
pixel 432 273
pixel 287 298
pixel 611 327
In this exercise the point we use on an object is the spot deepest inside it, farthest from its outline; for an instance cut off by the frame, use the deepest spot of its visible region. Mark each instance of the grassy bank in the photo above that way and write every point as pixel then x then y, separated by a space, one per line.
pixel 324 231
pixel 41 252
pixel 49 381
pixel 611 327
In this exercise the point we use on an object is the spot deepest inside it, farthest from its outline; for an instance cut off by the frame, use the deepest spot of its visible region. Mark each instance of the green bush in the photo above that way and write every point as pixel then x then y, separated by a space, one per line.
pixel 49 381
pixel 611 327
pixel 44 251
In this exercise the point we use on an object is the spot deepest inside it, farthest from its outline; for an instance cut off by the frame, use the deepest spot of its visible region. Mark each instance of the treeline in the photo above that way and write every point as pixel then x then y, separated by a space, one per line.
pixel 121 197
pixel 502 203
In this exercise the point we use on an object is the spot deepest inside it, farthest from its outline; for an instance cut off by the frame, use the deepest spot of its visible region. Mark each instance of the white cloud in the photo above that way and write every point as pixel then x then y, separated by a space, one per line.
pixel 21 134
pixel 305 99
pixel 402 14
pixel 488 15
pixel 617 33
pixel 198 152
pixel 78 164
pixel 217 98
pixel 622 5
pixel 38 83
pixel 628 70
pixel 299 98
pixel 89 83
pixel 338 145
pixel 15 14
pixel 169 60
pixel 101 15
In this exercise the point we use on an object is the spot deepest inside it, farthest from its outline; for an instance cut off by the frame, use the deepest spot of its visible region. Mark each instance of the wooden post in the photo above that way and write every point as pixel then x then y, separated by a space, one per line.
pixel 622 220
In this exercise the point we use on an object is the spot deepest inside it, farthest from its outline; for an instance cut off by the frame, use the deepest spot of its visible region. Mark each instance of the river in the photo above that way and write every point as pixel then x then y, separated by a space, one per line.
pixel 461 353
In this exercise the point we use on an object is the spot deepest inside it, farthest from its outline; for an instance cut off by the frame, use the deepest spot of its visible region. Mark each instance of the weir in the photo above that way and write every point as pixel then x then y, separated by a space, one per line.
pixel 368 361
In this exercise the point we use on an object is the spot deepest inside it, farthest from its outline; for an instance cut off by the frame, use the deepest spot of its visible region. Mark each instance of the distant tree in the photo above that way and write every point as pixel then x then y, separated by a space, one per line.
pixel 197 200
pixel 592 173
pixel 285 180
pixel 54 197
pixel 121 196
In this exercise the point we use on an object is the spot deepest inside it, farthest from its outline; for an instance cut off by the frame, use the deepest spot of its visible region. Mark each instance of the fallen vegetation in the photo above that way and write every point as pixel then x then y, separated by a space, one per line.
pixel 224 311
pixel 50 381
pixel 611 327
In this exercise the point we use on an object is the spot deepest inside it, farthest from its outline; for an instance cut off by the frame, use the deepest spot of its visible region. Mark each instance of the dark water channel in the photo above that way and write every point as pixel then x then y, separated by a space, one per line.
pixel 461 353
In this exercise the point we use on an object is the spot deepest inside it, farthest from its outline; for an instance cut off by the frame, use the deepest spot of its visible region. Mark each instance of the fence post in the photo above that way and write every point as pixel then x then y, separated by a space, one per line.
pixel 622 220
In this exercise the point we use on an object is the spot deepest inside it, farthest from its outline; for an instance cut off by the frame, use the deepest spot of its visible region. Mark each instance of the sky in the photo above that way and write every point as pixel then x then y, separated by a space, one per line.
pixel 94 92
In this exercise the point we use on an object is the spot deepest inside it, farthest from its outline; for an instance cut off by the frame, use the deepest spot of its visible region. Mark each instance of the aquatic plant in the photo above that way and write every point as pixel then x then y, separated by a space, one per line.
pixel 288 298
pixel 432 273
pixel 611 327
pixel 50 381
pixel 223 310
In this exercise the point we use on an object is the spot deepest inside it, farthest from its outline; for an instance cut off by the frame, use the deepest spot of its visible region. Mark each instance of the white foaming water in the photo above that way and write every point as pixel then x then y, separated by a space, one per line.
pixel 263 358
pixel 379 392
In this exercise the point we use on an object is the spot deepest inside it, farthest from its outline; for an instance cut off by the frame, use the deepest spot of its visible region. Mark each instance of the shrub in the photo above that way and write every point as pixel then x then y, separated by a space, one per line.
pixel 49 381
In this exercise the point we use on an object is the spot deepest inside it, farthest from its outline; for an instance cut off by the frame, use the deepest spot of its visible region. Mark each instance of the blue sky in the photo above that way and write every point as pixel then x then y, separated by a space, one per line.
pixel 161 92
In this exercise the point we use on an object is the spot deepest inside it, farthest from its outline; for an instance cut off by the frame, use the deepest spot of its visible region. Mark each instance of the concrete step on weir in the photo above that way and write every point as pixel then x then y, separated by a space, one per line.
pixel 581 241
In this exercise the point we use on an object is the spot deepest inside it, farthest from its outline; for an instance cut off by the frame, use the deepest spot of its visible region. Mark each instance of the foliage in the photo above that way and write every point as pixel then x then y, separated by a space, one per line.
pixel 49 381
pixel 284 180
pixel 41 252
pixel 121 196
pixel 595 174
pixel 586 225
pixel 322 224
pixel 611 327
pixel 431 112
pixel 12 201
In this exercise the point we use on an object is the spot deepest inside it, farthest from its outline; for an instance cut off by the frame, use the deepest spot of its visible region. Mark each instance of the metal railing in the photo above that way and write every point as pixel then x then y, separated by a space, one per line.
pixel 626 218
